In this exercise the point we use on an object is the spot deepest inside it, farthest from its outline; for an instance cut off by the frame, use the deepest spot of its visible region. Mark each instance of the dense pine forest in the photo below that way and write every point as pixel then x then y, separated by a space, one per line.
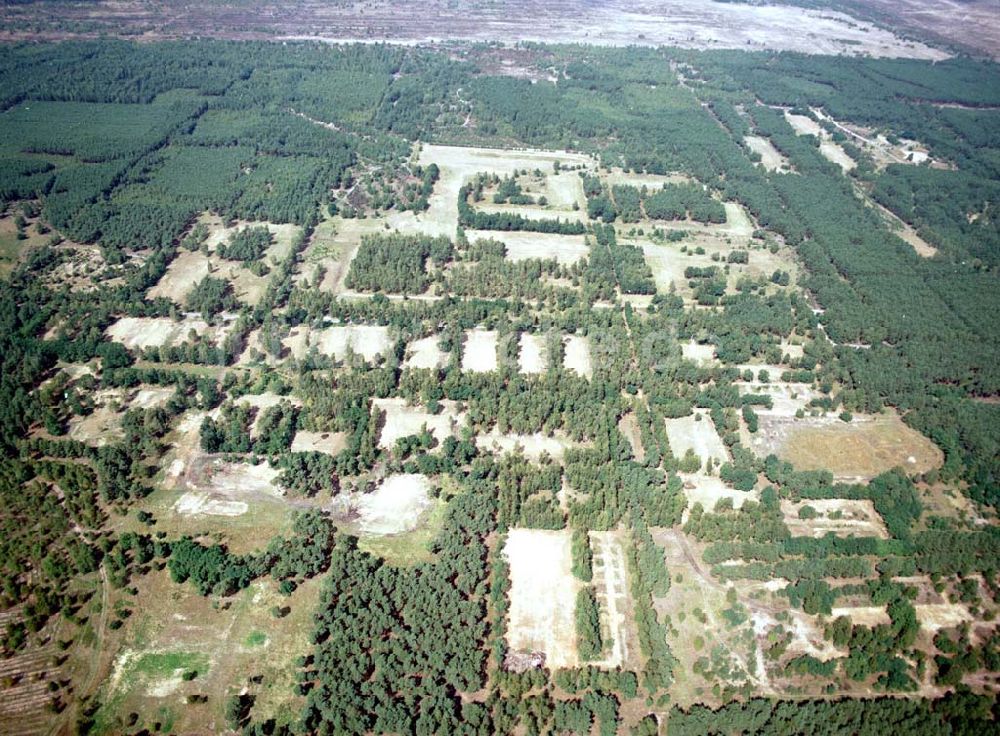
pixel 223 267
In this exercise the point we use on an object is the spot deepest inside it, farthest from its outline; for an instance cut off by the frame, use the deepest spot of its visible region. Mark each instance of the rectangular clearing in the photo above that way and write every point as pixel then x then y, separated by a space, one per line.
pixel 402 420
pixel 840 516
pixel 534 446
pixel 523 246
pixel 368 341
pixel 576 355
pixel 479 354
pixel 532 355
pixel 696 432
pixel 153 332
pixel 425 353
pixel 542 595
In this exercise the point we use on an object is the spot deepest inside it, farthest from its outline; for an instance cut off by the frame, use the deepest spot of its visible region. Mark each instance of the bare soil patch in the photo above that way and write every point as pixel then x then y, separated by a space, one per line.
pixel 542 595
pixel 331 443
pixel 402 420
pixel 395 506
pixel 696 432
pixel 479 354
pixel 708 490
pixel 522 246
pixel 770 157
pixel 628 425
pixel 840 516
pixel 338 341
pixel 145 332
pixel 576 355
pixel 425 353
pixel 534 446
pixel 532 355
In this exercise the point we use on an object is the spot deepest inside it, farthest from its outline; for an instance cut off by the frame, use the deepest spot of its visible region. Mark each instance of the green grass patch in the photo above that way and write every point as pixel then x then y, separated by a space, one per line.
pixel 409 548
pixel 256 639
pixel 165 664
pixel 10 249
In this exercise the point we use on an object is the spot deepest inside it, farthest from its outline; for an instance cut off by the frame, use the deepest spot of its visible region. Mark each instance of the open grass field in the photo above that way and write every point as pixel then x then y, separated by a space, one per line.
pixel 235 647
pixel 860 449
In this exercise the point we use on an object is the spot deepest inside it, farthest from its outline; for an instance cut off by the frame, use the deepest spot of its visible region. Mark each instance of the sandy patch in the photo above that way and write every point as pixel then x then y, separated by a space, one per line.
pixel 843 517
pixel 194 503
pixel 576 355
pixel 628 425
pixel 220 478
pixel 611 590
pixel 332 443
pixel 522 246
pixel 459 164
pixel 425 353
pixel 708 490
pixel 652 182
pixel 479 353
pixel 395 506
pixel 534 446
pixel 146 332
pixel 102 426
pixel 700 436
pixel 402 420
pixel 835 154
pixel 368 341
pixel 936 616
pixel 532 356
pixel 770 157
pixel 148 398
pixel 786 398
pixel 862 615
pixel 542 595
pixel 701 355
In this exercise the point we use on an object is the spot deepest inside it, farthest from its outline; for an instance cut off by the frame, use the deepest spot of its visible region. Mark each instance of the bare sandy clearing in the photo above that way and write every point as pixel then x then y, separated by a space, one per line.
pixel 862 615
pixel 699 354
pixel 786 398
pixel 331 443
pixel 215 476
pixel 263 402
pixel 283 234
pixel 150 397
pixel 402 420
pixel 532 354
pixel 611 590
pixel 521 246
pixel 576 355
pixel 479 354
pixel 653 182
pixel 425 353
pixel 770 157
pixel 835 154
pixel 628 425
pixel 564 190
pixel 194 503
pixel 936 616
pixel 708 490
pixel 859 450
pixel 186 270
pixel 368 341
pixel 843 517
pixel 542 595
pixel 532 445
pixel 458 164
pixel 531 212
pixel 146 332
pixel 697 433
pixel 803 124
pixel 395 506
pixel 103 425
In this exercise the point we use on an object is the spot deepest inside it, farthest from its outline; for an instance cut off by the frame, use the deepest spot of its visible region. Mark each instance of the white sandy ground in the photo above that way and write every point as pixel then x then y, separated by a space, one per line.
pixel 532 355
pixel 858 518
pixel 479 354
pixel 146 332
pixel 369 341
pixel 542 595
pixel 804 125
pixel 701 355
pixel 402 420
pixel 459 164
pixel 532 445
pixel 521 246
pixel 638 180
pixel 688 432
pixel 263 402
pixel 194 503
pixel 770 157
pixel 395 506
pixel 708 490
pixel 576 355
pixel 150 397
pixel 786 398
pixel 329 442
pixel 425 353
pixel 936 616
